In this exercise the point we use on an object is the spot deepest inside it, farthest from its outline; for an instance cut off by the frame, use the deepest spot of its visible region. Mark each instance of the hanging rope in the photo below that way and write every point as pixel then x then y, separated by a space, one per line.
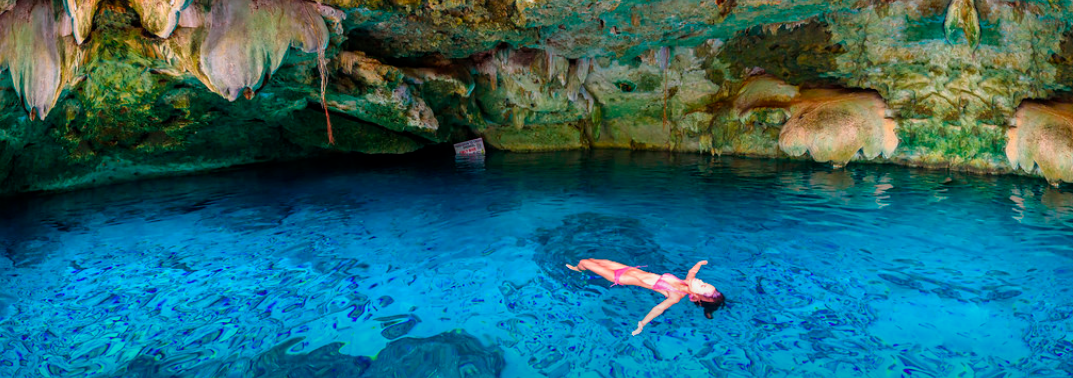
pixel 322 65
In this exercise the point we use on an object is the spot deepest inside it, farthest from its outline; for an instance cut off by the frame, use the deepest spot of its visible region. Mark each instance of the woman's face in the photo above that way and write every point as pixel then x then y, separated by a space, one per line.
pixel 702 288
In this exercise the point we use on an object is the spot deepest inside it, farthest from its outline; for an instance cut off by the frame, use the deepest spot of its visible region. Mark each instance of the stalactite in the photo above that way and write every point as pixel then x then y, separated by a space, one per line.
pixel 160 17
pixel 191 17
pixel 489 68
pixel 576 76
pixel 962 14
pixel 833 126
pixel 334 16
pixel 1041 137
pixel 247 42
pixel 573 84
pixel 550 55
pixel 40 59
pixel 81 13
pixel 583 65
pixel 589 100
pixel 518 115
pixel 241 46
pixel 244 42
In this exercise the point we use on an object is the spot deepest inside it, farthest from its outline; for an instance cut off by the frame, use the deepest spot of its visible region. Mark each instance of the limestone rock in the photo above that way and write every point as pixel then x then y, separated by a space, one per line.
pixel 81 13
pixel 1042 137
pixel 242 43
pixel 644 106
pixel 381 94
pixel 40 60
pixel 763 91
pixel 248 41
pixel 531 87
pixel 161 17
pixel 674 75
pixel 961 14
pixel 832 126
pixel 534 138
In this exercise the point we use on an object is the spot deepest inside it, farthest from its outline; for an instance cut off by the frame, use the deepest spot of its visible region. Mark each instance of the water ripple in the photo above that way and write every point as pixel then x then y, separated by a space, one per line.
pixel 868 271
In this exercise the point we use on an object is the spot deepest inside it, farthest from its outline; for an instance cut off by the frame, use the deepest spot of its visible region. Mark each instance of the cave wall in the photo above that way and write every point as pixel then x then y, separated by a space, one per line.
pixel 93 91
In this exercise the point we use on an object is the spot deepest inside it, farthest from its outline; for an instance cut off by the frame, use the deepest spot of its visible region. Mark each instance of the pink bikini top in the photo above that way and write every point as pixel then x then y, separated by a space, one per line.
pixel 661 285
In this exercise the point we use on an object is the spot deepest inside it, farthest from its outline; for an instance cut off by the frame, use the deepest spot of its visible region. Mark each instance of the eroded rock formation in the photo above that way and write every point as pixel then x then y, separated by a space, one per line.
pixel 833 126
pixel 1042 138
pixel 35 48
pixel 81 13
pixel 161 17
pixel 95 91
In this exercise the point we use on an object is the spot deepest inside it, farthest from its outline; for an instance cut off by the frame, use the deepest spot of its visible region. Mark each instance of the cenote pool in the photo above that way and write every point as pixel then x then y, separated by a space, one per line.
pixel 428 266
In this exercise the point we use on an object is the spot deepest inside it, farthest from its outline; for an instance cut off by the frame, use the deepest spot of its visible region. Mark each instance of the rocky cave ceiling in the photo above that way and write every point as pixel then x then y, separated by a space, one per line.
pixel 96 91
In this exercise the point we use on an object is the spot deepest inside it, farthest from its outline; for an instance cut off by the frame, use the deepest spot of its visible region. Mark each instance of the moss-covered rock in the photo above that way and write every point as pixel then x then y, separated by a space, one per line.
pixel 128 88
pixel 534 138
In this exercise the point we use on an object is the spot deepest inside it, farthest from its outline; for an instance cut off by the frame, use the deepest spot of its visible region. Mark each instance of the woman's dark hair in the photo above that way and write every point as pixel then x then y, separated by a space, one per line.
pixel 709 307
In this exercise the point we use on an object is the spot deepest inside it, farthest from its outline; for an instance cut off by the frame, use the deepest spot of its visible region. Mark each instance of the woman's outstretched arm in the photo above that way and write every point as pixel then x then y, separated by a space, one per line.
pixel 656 311
pixel 696 268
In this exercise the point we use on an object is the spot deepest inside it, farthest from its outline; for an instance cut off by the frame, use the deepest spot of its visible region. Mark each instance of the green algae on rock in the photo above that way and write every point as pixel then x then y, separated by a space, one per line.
pixel 961 14
pixel 151 78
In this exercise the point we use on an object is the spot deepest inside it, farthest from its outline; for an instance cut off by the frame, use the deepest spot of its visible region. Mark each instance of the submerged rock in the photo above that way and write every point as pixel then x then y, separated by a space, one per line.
pixel 278 362
pixel 7 301
pixel 601 236
pixel 448 355
pixel 397 326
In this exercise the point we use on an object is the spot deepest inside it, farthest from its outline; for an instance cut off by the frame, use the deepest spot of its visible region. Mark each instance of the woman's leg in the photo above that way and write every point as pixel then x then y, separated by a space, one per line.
pixel 605 268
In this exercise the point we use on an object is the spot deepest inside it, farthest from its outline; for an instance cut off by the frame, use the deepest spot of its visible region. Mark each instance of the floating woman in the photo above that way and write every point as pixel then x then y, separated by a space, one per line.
pixel 699 292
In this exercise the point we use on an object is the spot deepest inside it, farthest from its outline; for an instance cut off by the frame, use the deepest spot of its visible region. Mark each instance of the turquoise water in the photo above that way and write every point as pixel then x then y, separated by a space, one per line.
pixel 314 269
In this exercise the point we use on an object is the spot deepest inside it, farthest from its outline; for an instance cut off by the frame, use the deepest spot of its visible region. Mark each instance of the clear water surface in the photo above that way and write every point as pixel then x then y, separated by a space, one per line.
pixel 874 271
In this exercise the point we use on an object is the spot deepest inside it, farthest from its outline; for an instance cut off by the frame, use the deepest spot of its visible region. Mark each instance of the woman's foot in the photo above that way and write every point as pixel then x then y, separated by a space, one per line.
pixel 573 268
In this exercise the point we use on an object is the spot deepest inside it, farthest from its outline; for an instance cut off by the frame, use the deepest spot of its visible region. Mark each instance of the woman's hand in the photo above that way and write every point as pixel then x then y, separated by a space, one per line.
pixel 640 326
pixel 696 268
